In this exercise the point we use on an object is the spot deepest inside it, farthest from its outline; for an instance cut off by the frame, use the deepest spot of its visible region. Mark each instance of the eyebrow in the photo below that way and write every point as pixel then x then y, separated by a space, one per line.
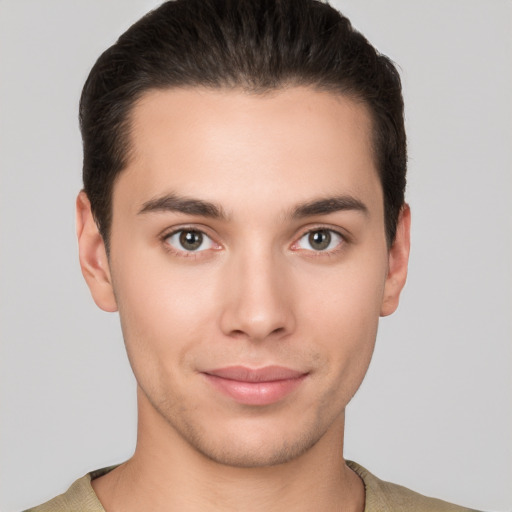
pixel 190 206
pixel 328 205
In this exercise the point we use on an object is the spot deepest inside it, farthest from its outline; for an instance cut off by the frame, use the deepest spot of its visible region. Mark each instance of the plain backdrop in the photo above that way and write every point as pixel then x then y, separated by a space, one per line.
pixel 435 411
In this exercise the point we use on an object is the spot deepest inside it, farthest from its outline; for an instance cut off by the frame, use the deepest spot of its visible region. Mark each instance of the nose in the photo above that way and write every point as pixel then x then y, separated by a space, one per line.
pixel 257 298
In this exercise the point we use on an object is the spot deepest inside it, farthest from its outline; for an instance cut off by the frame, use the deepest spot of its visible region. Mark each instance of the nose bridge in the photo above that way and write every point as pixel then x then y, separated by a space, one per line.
pixel 258 299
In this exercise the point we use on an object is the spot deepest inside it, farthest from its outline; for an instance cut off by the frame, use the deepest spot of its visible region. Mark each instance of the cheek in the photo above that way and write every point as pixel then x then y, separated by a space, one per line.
pixel 346 298
pixel 344 313
pixel 164 312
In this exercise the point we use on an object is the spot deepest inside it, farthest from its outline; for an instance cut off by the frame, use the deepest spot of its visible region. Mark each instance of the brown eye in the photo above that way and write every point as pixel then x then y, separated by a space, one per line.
pixel 189 240
pixel 319 240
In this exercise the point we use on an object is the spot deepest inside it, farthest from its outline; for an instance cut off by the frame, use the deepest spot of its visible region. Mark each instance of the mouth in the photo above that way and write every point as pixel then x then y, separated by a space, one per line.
pixel 261 386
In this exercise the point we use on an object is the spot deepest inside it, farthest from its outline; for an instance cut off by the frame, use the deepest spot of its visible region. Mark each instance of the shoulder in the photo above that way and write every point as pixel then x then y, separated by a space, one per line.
pixel 384 496
pixel 381 496
pixel 80 497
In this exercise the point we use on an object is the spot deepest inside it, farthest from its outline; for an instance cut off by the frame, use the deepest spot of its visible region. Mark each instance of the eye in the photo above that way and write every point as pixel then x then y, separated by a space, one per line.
pixel 189 240
pixel 320 240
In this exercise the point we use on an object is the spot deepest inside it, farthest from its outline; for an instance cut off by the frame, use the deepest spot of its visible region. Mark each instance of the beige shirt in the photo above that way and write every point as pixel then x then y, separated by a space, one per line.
pixel 380 497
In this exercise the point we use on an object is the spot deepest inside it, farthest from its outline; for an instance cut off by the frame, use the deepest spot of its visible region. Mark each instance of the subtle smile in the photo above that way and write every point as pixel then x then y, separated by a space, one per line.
pixel 263 386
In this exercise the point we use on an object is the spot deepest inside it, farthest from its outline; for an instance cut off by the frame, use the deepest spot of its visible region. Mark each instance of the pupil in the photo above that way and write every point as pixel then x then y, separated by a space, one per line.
pixel 320 240
pixel 191 240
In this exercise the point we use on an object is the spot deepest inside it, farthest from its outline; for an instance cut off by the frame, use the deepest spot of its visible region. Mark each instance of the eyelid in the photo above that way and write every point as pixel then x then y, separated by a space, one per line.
pixel 321 227
pixel 343 232
pixel 204 230
pixel 169 232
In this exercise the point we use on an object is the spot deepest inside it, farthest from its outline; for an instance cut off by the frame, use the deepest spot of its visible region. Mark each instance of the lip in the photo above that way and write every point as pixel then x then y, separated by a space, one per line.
pixel 260 386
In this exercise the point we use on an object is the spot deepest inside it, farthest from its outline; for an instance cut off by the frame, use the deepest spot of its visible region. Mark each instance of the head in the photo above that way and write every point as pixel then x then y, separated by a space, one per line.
pixel 243 210
pixel 238 44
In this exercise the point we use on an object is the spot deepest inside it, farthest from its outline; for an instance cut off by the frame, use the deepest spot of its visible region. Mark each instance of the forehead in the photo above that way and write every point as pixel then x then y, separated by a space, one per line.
pixel 297 141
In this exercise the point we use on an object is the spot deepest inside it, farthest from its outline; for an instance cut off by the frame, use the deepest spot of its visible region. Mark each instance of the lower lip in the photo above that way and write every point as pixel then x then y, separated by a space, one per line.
pixel 255 393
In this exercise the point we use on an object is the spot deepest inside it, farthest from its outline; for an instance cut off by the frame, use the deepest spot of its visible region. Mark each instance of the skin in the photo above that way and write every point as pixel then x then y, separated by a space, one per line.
pixel 257 293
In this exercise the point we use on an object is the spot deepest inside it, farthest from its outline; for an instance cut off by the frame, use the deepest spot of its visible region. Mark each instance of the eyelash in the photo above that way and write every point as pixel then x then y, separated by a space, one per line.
pixel 310 253
pixel 322 253
pixel 184 253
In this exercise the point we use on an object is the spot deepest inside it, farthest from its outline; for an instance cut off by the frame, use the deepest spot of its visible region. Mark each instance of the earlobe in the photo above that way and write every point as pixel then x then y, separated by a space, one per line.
pixel 398 262
pixel 93 256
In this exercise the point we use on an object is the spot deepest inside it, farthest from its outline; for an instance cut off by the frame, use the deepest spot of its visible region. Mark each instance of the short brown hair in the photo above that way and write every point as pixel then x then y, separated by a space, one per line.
pixel 256 45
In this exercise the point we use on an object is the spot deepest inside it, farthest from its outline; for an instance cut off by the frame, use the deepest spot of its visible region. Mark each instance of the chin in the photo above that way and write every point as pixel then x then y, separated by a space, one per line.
pixel 255 447
pixel 264 455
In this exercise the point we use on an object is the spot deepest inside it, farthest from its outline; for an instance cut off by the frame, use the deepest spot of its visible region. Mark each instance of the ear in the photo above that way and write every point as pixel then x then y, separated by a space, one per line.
pixel 93 256
pixel 397 263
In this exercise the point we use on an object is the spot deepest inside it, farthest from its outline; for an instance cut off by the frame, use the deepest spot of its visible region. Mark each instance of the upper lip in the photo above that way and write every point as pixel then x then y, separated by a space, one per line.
pixel 266 374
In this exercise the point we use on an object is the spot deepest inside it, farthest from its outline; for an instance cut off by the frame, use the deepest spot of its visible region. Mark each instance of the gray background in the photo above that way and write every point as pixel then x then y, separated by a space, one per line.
pixel 435 412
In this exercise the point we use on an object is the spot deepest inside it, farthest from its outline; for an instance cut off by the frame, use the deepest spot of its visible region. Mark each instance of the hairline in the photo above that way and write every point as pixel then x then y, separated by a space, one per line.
pixel 127 124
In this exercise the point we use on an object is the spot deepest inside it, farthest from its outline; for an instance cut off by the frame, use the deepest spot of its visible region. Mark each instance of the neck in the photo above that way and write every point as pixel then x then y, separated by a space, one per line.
pixel 166 473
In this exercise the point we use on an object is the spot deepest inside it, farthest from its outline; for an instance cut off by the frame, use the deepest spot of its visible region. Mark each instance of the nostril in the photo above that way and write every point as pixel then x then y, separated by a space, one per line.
pixel 251 334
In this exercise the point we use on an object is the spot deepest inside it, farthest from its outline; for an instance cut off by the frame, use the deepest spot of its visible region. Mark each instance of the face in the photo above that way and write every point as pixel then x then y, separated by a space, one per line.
pixel 249 265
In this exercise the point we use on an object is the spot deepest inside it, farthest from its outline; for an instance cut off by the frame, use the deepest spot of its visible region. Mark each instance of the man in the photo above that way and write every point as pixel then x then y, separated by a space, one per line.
pixel 243 209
